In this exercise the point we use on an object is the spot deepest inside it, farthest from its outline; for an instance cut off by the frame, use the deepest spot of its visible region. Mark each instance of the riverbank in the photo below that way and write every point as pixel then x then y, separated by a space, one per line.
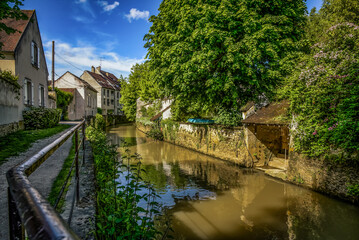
pixel 209 198
pixel 241 146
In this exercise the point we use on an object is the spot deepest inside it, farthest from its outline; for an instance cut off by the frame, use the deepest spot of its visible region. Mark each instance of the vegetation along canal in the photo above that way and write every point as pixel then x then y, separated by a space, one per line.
pixel 212 199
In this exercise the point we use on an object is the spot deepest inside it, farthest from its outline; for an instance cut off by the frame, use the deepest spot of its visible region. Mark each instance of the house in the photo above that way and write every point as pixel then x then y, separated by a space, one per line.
pixel 84 102
pixel 267 133
pixel 108 88
pixel 164 112
pixel 23 56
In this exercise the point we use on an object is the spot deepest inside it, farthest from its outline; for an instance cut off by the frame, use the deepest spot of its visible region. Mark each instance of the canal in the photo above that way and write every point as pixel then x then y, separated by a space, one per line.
pixel 212 199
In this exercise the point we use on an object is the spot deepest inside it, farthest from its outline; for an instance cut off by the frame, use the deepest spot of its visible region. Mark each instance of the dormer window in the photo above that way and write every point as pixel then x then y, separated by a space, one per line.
pixel 35 55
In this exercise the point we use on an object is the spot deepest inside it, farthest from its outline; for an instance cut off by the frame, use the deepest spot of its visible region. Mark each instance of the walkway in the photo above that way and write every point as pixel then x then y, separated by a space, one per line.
pixel 41 179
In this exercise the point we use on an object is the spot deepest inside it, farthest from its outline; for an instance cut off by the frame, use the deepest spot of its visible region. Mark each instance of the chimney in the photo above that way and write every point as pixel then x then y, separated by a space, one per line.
pixel 92 69
pixel 98 70
pixel 107 74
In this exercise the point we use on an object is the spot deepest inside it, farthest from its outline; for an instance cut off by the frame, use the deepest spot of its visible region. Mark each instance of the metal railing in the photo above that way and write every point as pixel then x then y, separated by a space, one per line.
pixel 31 212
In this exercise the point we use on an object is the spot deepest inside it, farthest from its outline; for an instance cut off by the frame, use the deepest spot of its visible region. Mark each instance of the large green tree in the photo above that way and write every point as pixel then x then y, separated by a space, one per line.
pixel 138 85
pixel 217 54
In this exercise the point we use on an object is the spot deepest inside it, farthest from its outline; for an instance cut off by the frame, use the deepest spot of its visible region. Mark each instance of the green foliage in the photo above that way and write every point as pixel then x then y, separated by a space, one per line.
pixel 138 84
pixel 9 78
pixel 169 128
pixel 15 143
pixel 60 180
pixel 220 54
pixel 100 123
pixel 145 121
pixel 99 110
pixel 228 117
pixel 37 118
pixel 63 101
pixel 353 190
pixel 119 192
pixel 324 94
pixel 10 9
pixel 154 109
pixel 155 132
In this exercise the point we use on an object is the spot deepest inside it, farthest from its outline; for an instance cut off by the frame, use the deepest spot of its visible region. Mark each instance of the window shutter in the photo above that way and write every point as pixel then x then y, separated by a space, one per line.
pixel 32 94
pixel 38 57
pixel 25 91
pixel 32 53
pixel 39 95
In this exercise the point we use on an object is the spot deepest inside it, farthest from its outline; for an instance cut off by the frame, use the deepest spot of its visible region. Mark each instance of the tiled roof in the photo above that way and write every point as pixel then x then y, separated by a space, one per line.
pixel 273 114
pixel 10 41
pixel 113 79
pixel 157 116
pixel 246 107
pixel 103 81
pixel 86 84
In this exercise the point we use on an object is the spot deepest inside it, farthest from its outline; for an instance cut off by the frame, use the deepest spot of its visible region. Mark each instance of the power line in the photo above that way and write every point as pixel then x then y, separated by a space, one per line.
pixel 68 62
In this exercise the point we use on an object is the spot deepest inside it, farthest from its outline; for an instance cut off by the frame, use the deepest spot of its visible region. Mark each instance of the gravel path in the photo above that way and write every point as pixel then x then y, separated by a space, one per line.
pixel 42 178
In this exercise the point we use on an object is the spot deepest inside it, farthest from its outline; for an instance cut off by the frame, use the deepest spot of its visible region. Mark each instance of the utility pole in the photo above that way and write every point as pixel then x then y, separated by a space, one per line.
pixel 53 65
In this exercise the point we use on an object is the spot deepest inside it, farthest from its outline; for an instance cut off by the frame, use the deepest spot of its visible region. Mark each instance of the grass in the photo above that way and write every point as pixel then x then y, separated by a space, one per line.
pixel 60 179
pixel 18 142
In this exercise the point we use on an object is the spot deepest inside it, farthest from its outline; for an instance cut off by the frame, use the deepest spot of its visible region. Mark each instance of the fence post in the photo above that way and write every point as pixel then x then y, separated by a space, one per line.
pixel 15 225
pixel 83 143
pixel 77 166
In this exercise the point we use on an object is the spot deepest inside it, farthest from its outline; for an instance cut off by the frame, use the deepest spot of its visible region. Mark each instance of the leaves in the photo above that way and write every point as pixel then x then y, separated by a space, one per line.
pixel 212 55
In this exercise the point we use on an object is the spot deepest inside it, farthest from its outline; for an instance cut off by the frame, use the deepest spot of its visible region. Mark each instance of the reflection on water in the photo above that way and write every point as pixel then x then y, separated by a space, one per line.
pixel 212 199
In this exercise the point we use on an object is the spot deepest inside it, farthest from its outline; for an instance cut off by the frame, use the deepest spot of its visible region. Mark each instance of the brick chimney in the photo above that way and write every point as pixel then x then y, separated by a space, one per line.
pixel 92 69
pixel 98 70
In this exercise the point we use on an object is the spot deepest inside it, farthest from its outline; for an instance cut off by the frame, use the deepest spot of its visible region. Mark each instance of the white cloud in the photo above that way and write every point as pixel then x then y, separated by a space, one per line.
pixel 109 7
pixel 85 5
pixel 81 1
pixel 76 59
pixel 137 14
pixel 83 19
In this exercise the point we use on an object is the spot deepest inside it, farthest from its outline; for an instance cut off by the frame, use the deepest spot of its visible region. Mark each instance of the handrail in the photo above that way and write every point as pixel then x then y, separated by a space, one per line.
pixel 27 208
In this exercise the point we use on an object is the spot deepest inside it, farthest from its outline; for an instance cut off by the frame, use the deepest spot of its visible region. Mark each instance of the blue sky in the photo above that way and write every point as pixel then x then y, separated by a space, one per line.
pixel 94 32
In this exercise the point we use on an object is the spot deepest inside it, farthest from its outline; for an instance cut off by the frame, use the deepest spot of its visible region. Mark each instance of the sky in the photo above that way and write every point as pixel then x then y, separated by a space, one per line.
pixel 97 33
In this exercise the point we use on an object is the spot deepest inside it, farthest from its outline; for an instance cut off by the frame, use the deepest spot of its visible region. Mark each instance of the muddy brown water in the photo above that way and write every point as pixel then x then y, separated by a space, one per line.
pixel 213 199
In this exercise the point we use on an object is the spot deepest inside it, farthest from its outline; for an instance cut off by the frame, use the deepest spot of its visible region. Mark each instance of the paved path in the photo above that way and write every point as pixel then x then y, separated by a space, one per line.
pixel 42 178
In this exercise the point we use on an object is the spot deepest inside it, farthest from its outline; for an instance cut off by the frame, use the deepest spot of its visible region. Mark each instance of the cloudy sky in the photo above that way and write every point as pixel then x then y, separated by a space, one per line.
pixel 94 32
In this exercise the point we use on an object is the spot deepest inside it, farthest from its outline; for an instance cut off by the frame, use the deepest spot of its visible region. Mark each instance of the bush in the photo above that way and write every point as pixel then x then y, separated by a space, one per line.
pixel 38 118
pixel 100 123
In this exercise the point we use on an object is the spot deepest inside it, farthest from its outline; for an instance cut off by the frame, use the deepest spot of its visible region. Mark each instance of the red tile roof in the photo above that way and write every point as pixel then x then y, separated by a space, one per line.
pixel 274 113
pixel 10 41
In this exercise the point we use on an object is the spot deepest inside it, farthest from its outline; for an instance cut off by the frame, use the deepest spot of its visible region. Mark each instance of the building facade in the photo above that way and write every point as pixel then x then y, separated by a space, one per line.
pixel 24 57
pixel 108 89
pixel 84 101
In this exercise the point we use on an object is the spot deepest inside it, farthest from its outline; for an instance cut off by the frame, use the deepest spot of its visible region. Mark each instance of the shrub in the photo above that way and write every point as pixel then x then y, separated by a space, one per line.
pixel 119 215
pixel 38 118
pixel 100 123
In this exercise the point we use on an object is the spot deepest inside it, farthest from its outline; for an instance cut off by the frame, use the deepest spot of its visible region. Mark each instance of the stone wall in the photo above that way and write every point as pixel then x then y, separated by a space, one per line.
pixel 217 141
pixel 6 129
pixel 323 175
pixel 241 145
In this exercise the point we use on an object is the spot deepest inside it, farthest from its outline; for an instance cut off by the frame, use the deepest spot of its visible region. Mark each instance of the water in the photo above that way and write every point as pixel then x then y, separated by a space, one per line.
pixel 213 199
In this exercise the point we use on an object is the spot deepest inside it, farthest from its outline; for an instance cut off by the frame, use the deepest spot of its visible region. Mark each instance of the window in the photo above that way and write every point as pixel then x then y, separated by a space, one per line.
pixel 118 95
pixel 104 101
pixel 108 102
pixel 108 93
pixel 112 102
pixel 104 92
pixel 41 96
pixel 28 92
pixel 35 55
pixel 111 93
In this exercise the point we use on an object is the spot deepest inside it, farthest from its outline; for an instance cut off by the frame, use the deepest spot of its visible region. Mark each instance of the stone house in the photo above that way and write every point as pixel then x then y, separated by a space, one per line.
pixel 24 57
pixel 84 101
pixel 267 134
pixel 108 88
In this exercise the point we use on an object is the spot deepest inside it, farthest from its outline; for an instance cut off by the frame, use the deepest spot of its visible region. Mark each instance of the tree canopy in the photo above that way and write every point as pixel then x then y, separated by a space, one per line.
pixel 218 54
pixel 138 85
